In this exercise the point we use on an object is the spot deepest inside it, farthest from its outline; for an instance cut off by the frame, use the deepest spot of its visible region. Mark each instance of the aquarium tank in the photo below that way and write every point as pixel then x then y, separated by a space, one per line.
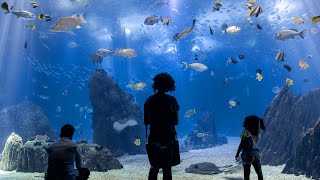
pixel 91 64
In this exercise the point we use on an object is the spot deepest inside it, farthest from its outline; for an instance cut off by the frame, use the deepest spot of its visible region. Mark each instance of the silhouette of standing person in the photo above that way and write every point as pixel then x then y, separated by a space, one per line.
pixel 161 113
pixel 250 138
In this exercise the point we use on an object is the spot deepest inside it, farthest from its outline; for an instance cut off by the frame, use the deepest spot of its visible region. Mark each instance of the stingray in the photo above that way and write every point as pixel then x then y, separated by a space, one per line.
pixel 180 35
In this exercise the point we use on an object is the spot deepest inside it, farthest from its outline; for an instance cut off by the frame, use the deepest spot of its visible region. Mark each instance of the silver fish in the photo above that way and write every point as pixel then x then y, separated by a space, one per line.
pixel 151 20
pixel 185 32
pixel 290 33
pixel 24 14
pixel 105 52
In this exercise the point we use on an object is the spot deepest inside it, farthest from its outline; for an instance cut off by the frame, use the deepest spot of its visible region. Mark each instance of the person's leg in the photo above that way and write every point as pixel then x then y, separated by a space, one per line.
pixel 257 167
pixel 167 174
pixel 246 171
pixel 153 173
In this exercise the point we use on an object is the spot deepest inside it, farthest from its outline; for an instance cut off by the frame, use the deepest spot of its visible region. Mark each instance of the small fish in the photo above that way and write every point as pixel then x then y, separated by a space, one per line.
pixel 259 27
pixel 231 60
pixel 167 21
pixel 303 65
pixel 212 73
pixel 287 67
pixel 127 53
pixel 289 82
pixel 211 32
pixel 31 26
pixel 241 56
pixel 43 97
pixel 195 66
pixel 5 7
pixel 72 45
pixel 255 11
pixel 232 30
pixel 290 33
pixel 280 56
pixel 137 142
pixel 298 20
pixel 216 6
pixel 65 92
pixel 58 109
pixel 34 4
pixel 305 80
pixel 138 86
pixel 249 5
pixel 151 20
pixel 196 57
pixel 190 112
pixel 44 16
pixel 315 19
pixel 259 77
pixel 233 103
pixel 309 56
pixel 201 135
pixel 26 44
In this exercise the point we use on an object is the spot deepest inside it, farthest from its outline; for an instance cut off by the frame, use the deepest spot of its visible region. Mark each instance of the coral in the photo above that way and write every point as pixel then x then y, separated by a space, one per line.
pixel 10 152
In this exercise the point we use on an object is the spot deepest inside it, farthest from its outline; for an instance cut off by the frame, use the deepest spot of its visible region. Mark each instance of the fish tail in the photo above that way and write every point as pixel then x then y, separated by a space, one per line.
pixel 193 23
pixel 81 18
pixel 167 3
pixel 302 34
pixel 186 64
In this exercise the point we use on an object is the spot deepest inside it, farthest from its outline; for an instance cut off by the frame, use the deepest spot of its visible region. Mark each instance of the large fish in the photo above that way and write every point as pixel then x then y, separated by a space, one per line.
pixel 290 33
pixel 24 14
pixel 128 53
pixel 151 20
pixel 196 66
pixel 69 23
pixel 185 32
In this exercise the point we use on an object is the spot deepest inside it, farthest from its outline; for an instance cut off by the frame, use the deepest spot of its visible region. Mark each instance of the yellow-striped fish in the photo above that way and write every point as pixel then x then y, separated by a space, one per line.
pixel 298 20
pixel 137 142
pixel 289 82
pixel 303 65
pixel 31 26
pixel 255 11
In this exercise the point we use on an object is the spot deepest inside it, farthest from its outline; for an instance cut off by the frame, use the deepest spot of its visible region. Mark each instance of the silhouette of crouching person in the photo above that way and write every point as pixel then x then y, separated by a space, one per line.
pixel 62 155
pixel 161 114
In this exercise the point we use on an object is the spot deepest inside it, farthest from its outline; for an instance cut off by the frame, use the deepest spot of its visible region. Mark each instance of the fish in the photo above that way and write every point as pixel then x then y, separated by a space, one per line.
pixel 259 27
pixel 303 65
pixel 290 33
pixel 233 103
pixel 289 82
pixel 195 66
pixel 309 56
pixel 211 32
pixel 231 30
pixel 216 6
pixel 118 126
pixel 190 112
pixel 5 7
pixel 72 45
pixel 26 15
pixel 34 4
pixel 151 20
pixel 276 89
pixel 185 32
pixel 231 60
pixel 249 5
pixel 105 52
pixel 298 20
pixel 43 97
pixel 42 16
pixel 212 73
pixel 241 56
pixel 127 53
pixel 255 11
pixel 159 4
pixel 26 44
pixel 68 23
pixel 137 142
pixel 315 19
pixel 76 105
pixel 167 21
pixel 280 56
pixel 259 76
pixel 138 86
pixel 31 26
pixel 201 135
pixel 58 109
pixel 196 57
pixel 287 67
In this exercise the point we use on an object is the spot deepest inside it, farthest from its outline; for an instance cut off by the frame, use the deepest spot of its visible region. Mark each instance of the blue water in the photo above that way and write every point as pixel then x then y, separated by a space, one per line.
pixel 119 24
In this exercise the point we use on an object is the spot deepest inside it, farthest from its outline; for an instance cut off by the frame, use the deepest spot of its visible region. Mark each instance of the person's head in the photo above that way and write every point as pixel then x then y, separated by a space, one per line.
pixel 253 124
pixel 67 131
pixel 163 82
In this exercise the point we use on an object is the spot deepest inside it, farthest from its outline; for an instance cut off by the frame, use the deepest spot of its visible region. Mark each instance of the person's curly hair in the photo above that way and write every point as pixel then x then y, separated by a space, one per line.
pixel 163 82
pixel 254 124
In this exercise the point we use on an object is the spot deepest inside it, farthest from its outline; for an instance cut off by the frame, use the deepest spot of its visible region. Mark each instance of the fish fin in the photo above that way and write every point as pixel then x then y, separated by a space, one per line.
pixel 186 64
pixel 78 27
pixel 302 34
pixel 294 30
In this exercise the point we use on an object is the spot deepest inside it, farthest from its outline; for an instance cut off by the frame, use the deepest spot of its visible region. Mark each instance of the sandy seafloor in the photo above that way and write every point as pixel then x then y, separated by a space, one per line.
pixel 136 167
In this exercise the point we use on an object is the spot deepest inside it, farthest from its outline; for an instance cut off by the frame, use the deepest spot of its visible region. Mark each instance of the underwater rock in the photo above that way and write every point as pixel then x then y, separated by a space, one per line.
pixel 203 168
pixel 33 156
pixel 205 134
pixel 306 160
pixel 25 119
pixel 10 152
pixel 111 105
pixel 98 158
pixel 286 120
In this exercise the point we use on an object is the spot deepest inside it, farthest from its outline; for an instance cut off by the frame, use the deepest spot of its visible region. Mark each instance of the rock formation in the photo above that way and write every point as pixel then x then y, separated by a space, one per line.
pixel 286 119
pixel 204 134
pixel 306 160
pixel 25 119
pixel 111 105
pixel 98 158
pixel 10 152
pixel 32 156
